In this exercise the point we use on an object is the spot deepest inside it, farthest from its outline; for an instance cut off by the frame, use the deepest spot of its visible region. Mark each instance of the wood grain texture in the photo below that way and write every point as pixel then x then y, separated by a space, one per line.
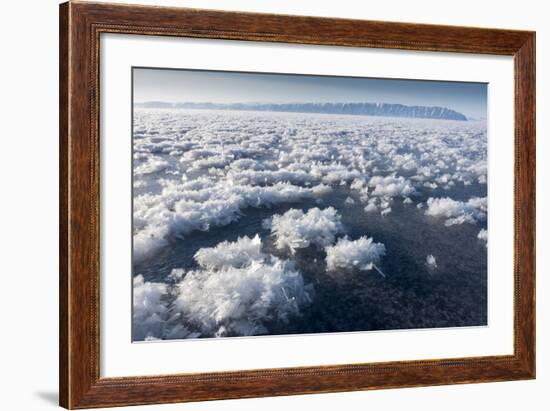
pixel 63 205
pixel 80 27
pixel 525 201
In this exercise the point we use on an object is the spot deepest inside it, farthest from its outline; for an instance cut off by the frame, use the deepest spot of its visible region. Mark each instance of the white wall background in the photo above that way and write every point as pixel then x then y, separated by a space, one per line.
pixel 28 206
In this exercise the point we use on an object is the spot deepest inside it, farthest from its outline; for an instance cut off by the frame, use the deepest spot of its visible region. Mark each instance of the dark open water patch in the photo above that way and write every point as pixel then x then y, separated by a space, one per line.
pixel 412 295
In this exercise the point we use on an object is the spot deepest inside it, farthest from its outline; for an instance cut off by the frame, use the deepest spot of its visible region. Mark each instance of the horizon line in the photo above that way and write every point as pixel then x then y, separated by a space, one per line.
pixel 328 107
pixel 291 102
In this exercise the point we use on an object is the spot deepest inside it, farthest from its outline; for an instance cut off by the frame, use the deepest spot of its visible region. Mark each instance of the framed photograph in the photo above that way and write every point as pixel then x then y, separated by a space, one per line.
pixel 259 205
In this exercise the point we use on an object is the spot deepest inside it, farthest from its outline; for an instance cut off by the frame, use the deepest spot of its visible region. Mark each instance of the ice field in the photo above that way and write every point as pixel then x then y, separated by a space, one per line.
pixel 255 223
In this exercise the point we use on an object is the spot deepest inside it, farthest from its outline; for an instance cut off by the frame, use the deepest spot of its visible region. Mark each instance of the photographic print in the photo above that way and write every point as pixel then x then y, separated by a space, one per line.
pixel 280 204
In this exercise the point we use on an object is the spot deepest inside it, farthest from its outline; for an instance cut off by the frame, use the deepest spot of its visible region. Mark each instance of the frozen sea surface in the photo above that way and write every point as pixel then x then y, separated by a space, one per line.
pixel 235 212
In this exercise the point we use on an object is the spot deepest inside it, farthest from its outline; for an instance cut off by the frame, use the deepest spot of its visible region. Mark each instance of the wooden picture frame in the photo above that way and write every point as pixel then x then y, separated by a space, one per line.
pixel 81 24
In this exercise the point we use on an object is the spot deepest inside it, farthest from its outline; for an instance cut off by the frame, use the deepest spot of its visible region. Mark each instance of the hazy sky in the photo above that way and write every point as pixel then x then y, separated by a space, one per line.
pixel 170 85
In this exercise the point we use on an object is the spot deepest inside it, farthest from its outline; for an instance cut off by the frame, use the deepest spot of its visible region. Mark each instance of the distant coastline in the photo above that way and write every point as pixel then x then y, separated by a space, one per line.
pixel 366 109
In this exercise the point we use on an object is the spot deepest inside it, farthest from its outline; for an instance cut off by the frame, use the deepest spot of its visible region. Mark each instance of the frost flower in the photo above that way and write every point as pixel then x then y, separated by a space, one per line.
pixel 296 229
pixel 362 254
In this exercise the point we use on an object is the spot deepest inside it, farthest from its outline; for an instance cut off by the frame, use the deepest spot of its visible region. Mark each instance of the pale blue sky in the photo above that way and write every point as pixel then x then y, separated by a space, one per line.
pixel 174 85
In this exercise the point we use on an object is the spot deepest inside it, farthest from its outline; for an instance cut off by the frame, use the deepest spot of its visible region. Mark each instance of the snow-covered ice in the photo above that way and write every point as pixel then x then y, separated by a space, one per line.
pixel 195 171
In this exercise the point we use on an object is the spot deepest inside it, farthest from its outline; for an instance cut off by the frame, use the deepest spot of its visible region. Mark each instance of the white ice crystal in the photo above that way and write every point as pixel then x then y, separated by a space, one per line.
pixel 296 229
pixel 349 201
pixel 391 186
pixel 482 235
pixel 371 207
pixel 362 254
pixel 149 309
pixel 239 301
pixel 236 290
pixel 458 212
pixel 233 254
pixel 431 261
pixel 151 314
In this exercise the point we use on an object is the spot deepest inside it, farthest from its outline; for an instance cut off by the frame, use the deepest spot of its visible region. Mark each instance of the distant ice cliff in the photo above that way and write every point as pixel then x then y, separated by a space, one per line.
pixel 368 109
